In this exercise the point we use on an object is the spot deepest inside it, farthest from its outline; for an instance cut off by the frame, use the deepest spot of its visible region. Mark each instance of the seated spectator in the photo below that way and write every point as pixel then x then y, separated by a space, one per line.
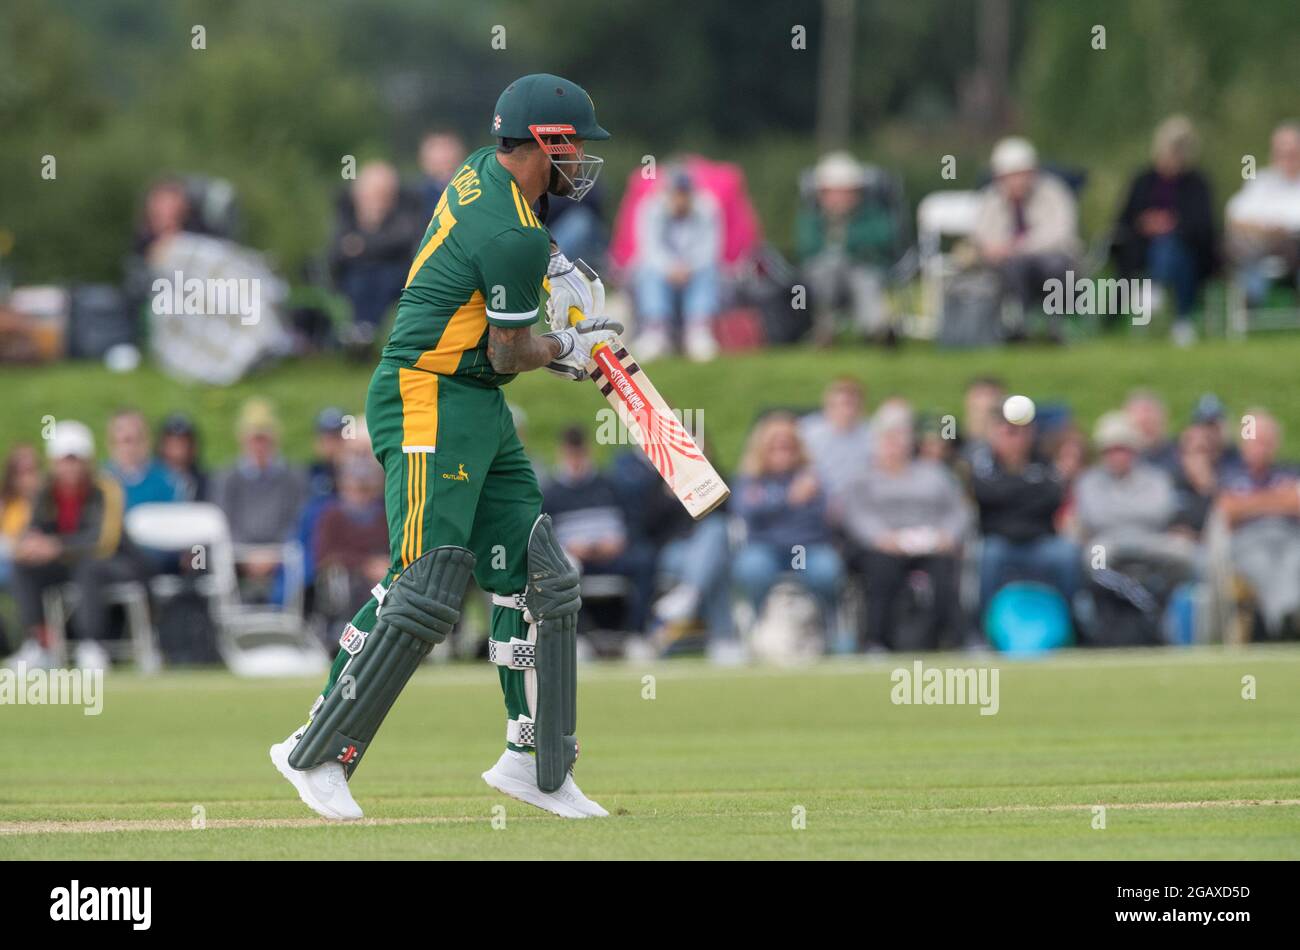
pixel 178 451
pixel 845 245
pixel 327 450
pixel 1148 416
pixel 783 507
pixel 19 485
pixel 1260 502
pixel 694 556
pixel 904 514
pixel 1166 229
pixel 442 152
pixel 1210 415
pixel 350 542
pixel 838 437
pixel 75 534
pixel 261 494
pixel 1026 227
pixel 592 528
pixel 678 268
pixel 1018 496
pixel 1263 219
pixel 322 474
pixel 1196 481
pixel 981 406
pixel 142 477
pixel 375 234
pixel 931 442
pixel 1125 506
pixel 167 211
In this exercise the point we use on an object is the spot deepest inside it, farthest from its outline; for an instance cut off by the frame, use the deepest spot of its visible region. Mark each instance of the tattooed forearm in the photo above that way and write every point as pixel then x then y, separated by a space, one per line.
pixel 519 350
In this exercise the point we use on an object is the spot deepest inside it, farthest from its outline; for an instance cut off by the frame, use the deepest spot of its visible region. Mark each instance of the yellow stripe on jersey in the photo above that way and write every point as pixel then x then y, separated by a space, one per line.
pixel 445 222
pixel 464 330
pixel 521 206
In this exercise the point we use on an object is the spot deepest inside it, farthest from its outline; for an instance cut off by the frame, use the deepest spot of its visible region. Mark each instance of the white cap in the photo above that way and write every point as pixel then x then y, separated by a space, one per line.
pixel 71 438
pixel 1013 155
pixel 839 170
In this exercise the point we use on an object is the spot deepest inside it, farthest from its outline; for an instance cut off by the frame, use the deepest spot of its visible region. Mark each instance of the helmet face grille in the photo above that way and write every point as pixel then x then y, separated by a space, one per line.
pixel 579 173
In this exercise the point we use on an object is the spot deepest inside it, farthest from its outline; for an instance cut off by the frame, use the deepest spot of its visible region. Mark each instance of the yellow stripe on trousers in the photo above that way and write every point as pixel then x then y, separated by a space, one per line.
pixel 417 469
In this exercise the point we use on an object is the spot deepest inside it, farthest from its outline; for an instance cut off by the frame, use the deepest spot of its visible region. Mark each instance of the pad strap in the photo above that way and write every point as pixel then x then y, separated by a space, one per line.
pixel 514 602
pixel 517 654
pixel 520 731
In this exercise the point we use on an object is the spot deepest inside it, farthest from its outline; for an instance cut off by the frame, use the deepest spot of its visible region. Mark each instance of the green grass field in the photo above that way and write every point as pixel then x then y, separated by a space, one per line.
pixel 1092 377
pixel 719 764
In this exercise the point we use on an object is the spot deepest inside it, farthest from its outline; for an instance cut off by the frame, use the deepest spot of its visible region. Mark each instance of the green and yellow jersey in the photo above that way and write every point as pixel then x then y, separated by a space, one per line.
pixel 482 262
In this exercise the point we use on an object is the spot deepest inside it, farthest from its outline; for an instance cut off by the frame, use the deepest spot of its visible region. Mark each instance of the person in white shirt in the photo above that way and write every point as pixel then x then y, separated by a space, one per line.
pixel 1263 218
pixel 1027 225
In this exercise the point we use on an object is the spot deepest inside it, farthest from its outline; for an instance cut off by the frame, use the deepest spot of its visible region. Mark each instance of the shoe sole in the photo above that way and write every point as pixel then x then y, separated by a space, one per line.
pixel 530 795
pixel 281 761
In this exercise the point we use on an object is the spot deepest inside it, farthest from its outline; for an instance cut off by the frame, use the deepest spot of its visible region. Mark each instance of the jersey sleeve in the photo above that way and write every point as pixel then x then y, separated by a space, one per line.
pixel 511 267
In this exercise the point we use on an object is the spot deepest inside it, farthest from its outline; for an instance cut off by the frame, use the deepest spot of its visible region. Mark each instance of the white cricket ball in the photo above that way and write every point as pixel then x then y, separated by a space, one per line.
pixel 1018 410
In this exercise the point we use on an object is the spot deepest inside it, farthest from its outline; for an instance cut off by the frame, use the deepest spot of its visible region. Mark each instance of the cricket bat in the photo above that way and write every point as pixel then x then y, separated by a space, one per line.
pixel 658 432
pixel 649 418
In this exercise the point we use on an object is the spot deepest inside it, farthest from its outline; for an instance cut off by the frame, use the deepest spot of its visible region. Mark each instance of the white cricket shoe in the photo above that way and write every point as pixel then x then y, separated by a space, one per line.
pixel 701 345
pixel 323 789
pixel 516 774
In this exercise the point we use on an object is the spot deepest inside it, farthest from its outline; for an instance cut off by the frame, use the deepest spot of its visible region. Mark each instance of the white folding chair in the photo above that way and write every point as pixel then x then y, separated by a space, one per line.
pixel 254 640
pixel 940 215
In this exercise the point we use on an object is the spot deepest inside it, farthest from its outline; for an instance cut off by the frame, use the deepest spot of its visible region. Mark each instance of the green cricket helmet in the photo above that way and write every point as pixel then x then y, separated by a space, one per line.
pixel 551 111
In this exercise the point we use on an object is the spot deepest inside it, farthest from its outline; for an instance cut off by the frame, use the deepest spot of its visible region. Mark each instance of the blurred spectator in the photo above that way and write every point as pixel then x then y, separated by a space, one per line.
pixel 592 528
pixel 678 268
pixel 845 244
pixel 375 234
pixel 694 556
pixel 1149 418
pixel 327 451
pixel 578 228
pixel 1166 228
pixel 178 451
pixel 1018 496
pixel 1260 501
pixel 261 494
pixel 1209 414
pixel 931 442
pixel 838 437
pixel 441 154
pixel 350 544
pixel 1026 227
pixel 1125 506
pixel 981 406
pixel 142 477
pixel 19 486
pixel 1263 219
pixel 783 507
pixel 75 534
pixel 1196 481
pixel 167 211
pixel 904 514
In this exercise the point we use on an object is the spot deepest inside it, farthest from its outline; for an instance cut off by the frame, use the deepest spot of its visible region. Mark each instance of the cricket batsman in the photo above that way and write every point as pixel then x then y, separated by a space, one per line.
pixel 460 494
